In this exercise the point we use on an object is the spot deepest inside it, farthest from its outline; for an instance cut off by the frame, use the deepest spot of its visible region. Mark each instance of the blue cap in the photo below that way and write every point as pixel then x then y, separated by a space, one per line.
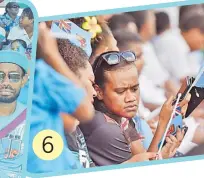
pixel 15 58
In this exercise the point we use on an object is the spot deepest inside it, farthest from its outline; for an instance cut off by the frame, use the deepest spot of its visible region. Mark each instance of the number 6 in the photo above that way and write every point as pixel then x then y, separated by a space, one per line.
pixel 44 144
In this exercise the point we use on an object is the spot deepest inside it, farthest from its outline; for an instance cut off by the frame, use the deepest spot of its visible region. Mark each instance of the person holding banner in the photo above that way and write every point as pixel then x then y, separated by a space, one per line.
pixel 117 103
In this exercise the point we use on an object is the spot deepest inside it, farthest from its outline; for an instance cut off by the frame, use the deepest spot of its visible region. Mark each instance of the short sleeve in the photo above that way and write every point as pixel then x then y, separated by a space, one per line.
pixel 61 93
pixel 108 146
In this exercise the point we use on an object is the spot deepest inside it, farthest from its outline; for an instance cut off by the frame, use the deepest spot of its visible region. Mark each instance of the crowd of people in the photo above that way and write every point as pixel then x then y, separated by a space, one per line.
pixel 112 105
pixel 16 29
pixel 16 34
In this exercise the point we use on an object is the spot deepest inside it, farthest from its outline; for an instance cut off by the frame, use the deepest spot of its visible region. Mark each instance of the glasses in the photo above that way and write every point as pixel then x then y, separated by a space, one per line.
pixel 15 6
pixel 14 77
pixel 113 58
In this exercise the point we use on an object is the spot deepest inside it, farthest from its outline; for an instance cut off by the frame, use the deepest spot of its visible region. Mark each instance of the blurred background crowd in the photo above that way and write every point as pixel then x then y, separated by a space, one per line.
pixel 170 43
pixel 129 65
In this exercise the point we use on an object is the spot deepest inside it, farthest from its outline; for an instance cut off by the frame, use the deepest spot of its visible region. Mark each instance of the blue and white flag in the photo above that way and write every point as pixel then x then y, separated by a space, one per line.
pixel 68 30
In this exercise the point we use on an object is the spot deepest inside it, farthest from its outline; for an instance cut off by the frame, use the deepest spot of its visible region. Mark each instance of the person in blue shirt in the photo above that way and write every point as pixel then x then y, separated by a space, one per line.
pixel 56 90
pixel 13 77
pixel 10 18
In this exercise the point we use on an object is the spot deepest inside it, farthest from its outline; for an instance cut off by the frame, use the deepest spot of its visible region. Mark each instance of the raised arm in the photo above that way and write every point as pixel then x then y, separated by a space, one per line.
pixel 48 50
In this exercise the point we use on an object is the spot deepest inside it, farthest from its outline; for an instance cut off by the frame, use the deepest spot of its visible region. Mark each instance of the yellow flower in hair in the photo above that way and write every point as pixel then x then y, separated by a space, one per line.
pixel 92 26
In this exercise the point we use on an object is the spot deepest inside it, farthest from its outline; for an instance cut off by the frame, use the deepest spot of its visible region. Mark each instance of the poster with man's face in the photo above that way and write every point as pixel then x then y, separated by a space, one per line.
pixel 15 66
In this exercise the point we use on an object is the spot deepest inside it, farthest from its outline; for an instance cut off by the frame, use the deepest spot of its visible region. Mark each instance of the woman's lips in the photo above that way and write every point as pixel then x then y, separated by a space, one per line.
pixel 131 108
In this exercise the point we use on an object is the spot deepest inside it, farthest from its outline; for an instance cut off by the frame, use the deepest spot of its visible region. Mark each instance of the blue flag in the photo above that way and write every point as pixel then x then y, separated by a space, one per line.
pixel 73 33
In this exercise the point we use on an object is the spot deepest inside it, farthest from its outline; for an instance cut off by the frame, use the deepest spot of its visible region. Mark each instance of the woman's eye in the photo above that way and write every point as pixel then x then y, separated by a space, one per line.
pixel 120 91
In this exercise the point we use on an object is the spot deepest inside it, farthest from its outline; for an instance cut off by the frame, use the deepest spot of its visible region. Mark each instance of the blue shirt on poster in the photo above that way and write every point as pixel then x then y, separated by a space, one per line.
pixel 53 93
pixel 7 22
pixel 15 141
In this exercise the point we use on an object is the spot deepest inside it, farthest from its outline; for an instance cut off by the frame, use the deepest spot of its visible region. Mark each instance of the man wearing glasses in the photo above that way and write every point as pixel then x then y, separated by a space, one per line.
pixel 10 18
pixel 13 76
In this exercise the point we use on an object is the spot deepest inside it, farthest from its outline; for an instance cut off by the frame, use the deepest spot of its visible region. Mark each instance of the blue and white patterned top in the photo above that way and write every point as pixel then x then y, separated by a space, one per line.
pixel 7 22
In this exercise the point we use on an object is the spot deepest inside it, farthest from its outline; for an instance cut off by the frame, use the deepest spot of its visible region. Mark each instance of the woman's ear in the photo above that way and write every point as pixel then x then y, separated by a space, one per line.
pixel 99 92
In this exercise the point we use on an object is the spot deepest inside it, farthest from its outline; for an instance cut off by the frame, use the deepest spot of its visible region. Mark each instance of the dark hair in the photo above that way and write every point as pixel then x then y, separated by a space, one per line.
pixel 23 43
pixel 183 10
pixel 192 20
pixel 120 21
pixel 140 18
pixel 162 22
pixel 9 5
pixel 100 71
pixel 123 38
pixel 28 12
pixel 75 57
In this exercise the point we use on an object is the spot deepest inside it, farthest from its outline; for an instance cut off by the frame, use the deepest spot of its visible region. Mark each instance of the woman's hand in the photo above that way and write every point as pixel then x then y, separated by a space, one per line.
pixel 167 109
pixel 173 143
pixel 142 157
